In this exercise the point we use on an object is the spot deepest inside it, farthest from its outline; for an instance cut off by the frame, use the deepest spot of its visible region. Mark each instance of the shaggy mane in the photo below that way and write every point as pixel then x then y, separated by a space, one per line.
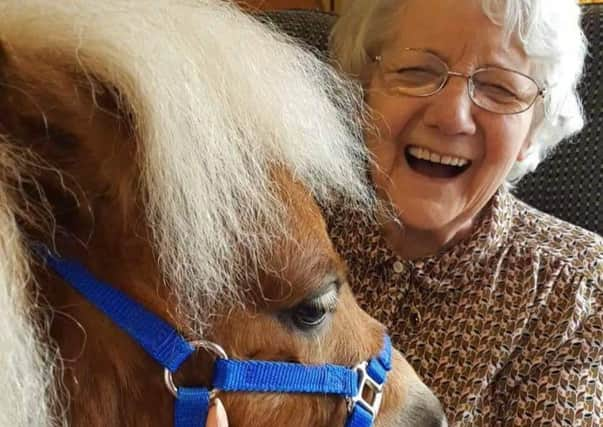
pixel 217 102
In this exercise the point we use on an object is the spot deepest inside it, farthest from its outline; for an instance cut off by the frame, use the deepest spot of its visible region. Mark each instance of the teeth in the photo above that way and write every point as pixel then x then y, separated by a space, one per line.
pixel 425 154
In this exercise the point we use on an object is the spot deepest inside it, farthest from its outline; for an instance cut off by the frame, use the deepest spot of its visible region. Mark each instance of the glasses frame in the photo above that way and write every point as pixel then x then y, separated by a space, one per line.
pixel 542 90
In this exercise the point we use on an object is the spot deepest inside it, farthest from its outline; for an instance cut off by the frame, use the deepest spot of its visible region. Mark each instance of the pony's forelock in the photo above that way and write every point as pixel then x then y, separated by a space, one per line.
pixel 217 102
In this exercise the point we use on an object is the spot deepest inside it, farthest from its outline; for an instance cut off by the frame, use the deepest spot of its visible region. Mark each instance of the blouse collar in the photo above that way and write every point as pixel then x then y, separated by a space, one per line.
pixel 446 269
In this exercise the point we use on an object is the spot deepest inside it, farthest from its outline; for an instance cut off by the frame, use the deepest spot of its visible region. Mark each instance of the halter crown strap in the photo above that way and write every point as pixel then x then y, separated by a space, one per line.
pixel 162 342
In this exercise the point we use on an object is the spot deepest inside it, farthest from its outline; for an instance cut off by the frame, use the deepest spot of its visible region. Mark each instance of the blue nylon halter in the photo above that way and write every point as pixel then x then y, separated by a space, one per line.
pixel 164 344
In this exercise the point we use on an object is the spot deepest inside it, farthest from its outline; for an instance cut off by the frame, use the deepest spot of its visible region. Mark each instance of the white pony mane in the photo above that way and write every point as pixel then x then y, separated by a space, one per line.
pixel 217 100
pixel 26 376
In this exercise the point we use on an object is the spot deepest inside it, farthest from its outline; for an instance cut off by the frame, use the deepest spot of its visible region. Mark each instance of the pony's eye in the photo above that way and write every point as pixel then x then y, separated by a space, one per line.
pixel 308 316
pixel 312 313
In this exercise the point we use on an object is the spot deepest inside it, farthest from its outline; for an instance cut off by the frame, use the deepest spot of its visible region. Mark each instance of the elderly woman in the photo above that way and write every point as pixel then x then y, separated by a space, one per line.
pixel 499 307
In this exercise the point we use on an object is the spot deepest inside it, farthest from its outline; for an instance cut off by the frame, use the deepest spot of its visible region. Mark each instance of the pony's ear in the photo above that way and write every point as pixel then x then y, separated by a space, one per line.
pixel 107 98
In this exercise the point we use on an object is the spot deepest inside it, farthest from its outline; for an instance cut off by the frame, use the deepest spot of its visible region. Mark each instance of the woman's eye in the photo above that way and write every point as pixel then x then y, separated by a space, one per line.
pixel 417 69
pixel 497 92
pixel 307 316
pixel 415 76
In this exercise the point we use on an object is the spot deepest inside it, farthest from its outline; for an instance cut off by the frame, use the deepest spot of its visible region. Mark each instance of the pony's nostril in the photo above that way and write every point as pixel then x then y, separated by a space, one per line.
pixel 439 417
pixel 431 415
pixel 444 421
pixel 423 409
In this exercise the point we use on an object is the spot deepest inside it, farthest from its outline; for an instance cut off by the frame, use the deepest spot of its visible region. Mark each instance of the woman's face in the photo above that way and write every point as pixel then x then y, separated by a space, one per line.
pixel 428 196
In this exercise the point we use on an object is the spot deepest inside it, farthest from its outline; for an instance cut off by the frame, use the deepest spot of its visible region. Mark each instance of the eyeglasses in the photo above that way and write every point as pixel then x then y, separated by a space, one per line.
pixel 416 72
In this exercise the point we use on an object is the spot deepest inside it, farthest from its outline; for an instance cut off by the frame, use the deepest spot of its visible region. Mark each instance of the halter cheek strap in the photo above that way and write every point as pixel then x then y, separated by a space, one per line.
pixel 164 344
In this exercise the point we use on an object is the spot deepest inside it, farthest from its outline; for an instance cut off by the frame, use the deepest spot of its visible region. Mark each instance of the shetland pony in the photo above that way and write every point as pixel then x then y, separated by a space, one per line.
pixel 176 150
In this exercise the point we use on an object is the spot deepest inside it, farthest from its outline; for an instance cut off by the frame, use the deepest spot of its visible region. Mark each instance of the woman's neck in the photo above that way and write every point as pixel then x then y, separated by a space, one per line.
pixel 412 243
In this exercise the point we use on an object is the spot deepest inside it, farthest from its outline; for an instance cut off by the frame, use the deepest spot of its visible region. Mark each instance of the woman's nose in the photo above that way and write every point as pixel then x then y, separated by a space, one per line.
pixel 451 109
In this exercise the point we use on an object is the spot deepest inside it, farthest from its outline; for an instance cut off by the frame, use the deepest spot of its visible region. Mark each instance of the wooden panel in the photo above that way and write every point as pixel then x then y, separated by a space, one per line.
pixel 281 4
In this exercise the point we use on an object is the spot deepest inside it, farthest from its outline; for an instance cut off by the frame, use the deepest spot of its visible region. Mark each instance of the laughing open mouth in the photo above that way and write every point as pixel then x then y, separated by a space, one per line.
pixel 434 165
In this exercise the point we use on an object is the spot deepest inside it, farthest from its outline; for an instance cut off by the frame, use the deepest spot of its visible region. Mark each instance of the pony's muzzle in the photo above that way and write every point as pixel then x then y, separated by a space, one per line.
pixel 423 409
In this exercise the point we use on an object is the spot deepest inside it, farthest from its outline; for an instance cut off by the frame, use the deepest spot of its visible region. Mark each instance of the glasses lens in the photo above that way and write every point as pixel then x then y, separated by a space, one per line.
pixel 414 73
pixel 503 91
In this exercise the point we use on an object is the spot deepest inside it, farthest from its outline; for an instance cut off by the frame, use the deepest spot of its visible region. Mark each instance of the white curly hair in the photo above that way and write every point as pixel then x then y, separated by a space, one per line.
pixel 551 36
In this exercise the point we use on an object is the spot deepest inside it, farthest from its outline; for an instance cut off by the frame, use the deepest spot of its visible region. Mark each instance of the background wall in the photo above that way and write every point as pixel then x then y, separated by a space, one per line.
pixel 332 5
pixel 340 4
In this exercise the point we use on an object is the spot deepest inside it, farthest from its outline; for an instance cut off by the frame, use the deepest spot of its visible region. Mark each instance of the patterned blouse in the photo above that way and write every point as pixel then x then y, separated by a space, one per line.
pixel 506 327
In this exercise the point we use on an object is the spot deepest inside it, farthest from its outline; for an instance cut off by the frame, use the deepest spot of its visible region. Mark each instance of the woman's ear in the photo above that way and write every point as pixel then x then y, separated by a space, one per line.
pixel 523 151
pixel 537 119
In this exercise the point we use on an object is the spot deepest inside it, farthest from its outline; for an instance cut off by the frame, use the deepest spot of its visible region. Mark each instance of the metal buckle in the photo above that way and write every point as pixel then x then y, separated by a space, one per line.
pixel 212 347
pixel 376 389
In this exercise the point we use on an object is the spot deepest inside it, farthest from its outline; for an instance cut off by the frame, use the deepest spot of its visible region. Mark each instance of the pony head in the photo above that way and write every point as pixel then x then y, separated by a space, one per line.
pixel 177 149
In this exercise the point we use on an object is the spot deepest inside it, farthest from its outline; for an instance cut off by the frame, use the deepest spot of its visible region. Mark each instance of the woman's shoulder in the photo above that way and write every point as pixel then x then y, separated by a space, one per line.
pixel 578 249
pixel 354 233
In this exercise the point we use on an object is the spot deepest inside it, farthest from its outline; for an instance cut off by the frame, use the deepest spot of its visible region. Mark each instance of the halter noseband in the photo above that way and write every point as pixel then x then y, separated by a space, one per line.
pixel 162 342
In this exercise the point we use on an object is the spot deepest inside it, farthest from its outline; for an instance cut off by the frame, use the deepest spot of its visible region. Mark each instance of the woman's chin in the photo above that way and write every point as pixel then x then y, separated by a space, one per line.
pixel 425 214
pixel 429 224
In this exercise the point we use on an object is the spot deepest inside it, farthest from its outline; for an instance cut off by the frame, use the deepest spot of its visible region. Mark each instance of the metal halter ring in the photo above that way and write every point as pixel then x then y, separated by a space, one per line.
pixel 365 381
pixel 212 347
